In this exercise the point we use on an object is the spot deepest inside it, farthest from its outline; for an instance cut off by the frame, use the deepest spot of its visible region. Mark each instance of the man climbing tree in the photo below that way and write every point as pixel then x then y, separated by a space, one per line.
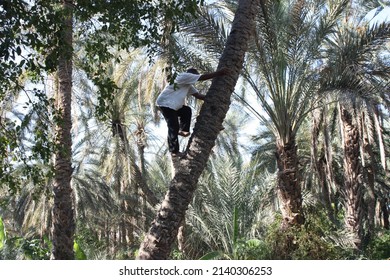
pixel 171 102
pixel 158 242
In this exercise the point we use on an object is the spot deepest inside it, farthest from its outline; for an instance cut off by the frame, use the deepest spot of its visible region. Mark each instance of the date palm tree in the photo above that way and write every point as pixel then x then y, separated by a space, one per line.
pixel 228 209
pixel 157 243
pixel 288 39
pixel 352 71
pixel 115 150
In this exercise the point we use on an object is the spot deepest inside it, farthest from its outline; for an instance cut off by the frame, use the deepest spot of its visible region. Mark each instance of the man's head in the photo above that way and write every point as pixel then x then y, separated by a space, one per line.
pixel 192 71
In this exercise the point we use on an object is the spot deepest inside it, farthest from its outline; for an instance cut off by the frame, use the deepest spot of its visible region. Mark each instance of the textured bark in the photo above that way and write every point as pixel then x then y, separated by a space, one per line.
pixel 370 174
pixel 63 210
pixel 385 213
pixel 141 173
pixel 319 161
pixel 181 237
pixel 382 213
pixel 352 177
pixel 164 229
pixel 289 187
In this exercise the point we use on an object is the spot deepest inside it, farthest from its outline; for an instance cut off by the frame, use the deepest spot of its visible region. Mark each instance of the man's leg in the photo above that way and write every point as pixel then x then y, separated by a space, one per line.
pixel 171 117
pixel 185 115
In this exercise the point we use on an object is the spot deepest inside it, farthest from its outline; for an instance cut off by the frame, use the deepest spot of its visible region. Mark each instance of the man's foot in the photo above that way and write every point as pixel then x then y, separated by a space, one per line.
pixel 177 155
pixel 184 133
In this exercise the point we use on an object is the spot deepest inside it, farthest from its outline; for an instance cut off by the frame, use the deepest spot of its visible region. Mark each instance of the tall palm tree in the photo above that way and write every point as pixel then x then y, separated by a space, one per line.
pixel 63 210
pixel 288 39
pixel 157 243
pixel 351 70
pixel 115 148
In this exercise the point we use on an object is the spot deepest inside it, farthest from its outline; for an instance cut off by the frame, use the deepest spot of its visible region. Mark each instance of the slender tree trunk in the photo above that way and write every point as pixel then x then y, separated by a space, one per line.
pixel 385 213
pixel 147 196
pixel 378 128
pixel 63 210
pixel 158 242
pixel 319 161
pixel 128 188
pixel 370 174
pixel 133 184
pixel 352 177
pixel 289 184
pixel 140 181
pixel 141 144
pixel 328 165
pixel 137 176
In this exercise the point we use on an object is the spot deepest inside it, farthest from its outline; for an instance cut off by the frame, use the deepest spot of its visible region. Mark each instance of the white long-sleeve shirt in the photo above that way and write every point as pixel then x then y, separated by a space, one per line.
pixel 174 96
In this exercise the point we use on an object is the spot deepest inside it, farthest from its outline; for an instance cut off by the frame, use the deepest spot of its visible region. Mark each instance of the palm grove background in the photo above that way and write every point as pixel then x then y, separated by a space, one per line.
pixel 300 170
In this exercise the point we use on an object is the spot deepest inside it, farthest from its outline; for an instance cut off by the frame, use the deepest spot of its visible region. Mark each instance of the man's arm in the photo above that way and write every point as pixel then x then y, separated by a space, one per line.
pixel 199 96
pixel 212 75
pixel 208 76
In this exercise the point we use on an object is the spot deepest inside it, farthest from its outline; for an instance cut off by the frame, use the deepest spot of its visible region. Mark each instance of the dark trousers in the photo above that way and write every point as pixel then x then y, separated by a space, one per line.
pixel 176 120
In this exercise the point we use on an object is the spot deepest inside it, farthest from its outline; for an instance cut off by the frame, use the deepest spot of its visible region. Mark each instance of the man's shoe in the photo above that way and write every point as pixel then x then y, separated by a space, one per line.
pixel 184 133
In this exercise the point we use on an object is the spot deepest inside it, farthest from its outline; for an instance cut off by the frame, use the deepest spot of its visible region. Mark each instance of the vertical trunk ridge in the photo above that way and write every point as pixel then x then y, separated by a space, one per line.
pixel 352 177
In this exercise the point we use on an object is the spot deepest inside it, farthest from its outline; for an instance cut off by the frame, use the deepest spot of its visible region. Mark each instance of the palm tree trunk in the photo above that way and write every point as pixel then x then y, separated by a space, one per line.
pixel 143 203
pixel 319 160
pixel 138 177
pixel 289 187
pixel 127 189
pixel 63 210
pixel 369 173
pixel 385 214
pixel 158 242
pixel 352 177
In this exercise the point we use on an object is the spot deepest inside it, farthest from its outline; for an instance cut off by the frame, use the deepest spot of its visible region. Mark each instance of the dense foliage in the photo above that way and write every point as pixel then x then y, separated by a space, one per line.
pixel 310 77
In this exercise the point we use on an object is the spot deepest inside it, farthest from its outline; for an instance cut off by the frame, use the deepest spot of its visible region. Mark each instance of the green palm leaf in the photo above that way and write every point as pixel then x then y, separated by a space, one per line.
pixel 2 234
